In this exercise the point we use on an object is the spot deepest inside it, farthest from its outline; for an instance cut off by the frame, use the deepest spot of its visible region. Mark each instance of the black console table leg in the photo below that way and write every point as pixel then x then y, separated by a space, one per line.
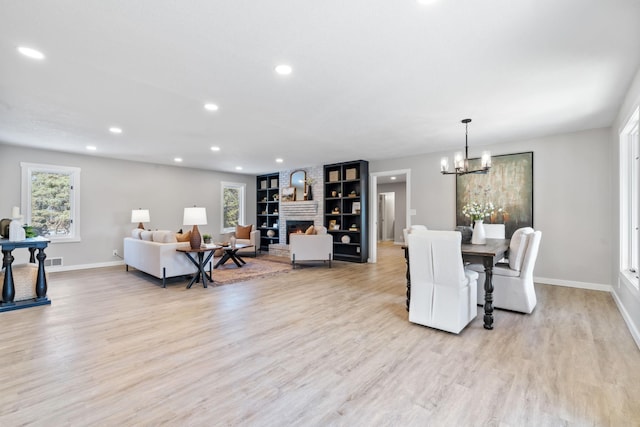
pixel 488 295
pixel 41 281
pixel 8 288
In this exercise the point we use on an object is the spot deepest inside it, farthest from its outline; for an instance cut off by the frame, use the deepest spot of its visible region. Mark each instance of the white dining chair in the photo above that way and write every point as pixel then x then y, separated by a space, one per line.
pixel 443 292
pixel 413 229
pixel 513 287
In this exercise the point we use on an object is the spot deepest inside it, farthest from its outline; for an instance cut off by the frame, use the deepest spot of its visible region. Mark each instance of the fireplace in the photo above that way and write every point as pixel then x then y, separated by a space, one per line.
pixel 297 227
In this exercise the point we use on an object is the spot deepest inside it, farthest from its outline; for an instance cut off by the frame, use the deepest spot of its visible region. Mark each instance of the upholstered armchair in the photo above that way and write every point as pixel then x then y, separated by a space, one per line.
pixel 246 235
pixel 513 287
pixel 443 293
pixel 315 245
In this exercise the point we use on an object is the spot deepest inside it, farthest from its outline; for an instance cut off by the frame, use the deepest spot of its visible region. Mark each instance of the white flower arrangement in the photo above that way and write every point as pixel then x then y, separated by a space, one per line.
pixel 477 211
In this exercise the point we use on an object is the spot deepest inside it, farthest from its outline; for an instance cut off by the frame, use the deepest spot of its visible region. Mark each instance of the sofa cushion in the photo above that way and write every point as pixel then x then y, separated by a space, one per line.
pixel 135 233
pixel 320 229
pixel 183 237
pixel 146 235
pixel 310 230
pixel 243 231
pixel 164 236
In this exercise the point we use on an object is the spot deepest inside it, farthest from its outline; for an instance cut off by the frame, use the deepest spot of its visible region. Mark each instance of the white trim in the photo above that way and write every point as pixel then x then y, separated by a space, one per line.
pixel 574 284
pixel 635 334
pixel 84 266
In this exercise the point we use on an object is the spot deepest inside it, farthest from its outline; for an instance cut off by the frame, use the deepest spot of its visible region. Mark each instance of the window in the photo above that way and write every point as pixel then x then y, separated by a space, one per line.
pixel 232 205
pixel 51 200
pixel 629 201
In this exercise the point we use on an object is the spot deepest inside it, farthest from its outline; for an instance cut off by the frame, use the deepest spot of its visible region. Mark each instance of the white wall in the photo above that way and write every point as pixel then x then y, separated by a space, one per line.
pixel 573 205
pixel 110 189
pixel 628 299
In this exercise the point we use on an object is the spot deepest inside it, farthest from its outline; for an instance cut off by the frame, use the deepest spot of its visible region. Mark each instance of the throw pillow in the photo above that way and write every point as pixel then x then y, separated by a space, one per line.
pixel 183 237
pixel 517 247
pixel 310 230
pixel 147 235
pixel 320 229
pixel 164 236
pixel 243 231
pixel 135 233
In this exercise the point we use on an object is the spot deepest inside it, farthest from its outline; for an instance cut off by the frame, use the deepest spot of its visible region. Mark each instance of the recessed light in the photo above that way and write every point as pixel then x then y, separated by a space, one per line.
pixel 284 69
pixel 177 159
pixel 393 178
pixel 211 107
pixel 238 168
pixel 91 147
pixel 214 148
pixel 279 160
pixel 115 130
pixel 31 53
pixel 426 1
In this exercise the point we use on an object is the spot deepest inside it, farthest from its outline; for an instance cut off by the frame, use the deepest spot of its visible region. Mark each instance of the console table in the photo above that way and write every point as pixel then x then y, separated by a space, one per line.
pixel 8 288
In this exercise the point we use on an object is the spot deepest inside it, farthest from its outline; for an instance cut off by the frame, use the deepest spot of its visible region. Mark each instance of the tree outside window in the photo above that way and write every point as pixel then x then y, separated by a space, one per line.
pixel 232 205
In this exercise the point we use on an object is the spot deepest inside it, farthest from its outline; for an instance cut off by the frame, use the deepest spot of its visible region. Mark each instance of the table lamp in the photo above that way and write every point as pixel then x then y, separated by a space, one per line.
pixel 195 216
pixel 140 216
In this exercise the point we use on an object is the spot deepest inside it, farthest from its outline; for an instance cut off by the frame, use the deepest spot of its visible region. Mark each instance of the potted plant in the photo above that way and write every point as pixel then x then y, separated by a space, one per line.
pixel 206 238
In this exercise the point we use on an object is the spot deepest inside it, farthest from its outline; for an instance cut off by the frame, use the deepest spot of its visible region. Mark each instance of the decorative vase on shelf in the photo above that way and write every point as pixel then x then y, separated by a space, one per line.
pixel 478 237
pixel 309 193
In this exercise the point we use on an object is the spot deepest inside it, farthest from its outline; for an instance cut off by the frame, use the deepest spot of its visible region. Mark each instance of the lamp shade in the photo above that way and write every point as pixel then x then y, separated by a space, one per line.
pixel 140 215
pixel 195 216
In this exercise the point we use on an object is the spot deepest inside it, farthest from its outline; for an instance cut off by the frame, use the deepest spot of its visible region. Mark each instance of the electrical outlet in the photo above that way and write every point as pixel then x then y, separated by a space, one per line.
pixel 115 252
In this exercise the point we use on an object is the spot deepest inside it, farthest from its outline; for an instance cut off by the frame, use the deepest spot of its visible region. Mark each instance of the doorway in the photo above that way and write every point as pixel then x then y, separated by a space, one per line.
pixel 386 216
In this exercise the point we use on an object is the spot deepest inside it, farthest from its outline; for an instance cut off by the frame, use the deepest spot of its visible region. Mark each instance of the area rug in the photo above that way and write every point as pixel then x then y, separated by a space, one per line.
pixel 261 266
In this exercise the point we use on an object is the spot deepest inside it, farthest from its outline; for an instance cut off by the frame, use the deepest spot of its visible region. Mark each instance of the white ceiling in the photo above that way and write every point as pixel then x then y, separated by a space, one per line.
pixel 372 79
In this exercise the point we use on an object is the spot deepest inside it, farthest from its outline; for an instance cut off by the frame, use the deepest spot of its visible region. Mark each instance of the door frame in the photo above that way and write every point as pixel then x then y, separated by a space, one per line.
pixel 373 207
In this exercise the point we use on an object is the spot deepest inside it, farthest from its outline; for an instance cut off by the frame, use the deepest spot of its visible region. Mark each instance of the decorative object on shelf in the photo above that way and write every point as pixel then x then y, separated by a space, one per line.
pixel 479 237
pixel 274 182
pixel 264 212
pixel 350 173
pixel 346 239
pixel 466 232
pixel 16 232
pixel 336 210
pixel 140 216
pixel 334 193
pixel 264 224
pixel 288 194
pixel 339 194
pixel 264 199
pixel 271 233
pixel 355 208
pixel 461 165
pixel 206 238
pixel 353 193
pixel 275 211
pixel 195 216
pixel 353 227
pixel 4 227
pixel 334 176
pixel 308 195
pixel 333 225
pixel 263 184
pixel 275 197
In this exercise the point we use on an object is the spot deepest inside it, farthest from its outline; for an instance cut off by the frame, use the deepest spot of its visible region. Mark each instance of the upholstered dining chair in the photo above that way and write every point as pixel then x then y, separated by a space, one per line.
pixel 443 293
pixel 413 229
pixel 513 287
pixel 494 231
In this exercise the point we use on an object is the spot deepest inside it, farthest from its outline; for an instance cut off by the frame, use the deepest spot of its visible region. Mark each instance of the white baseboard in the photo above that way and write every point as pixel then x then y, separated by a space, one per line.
pixel 574 284
pixel 627 319
pixel 84 266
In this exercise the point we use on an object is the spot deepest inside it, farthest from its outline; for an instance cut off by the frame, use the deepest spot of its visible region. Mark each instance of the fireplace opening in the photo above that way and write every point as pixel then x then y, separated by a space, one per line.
pixel 297 227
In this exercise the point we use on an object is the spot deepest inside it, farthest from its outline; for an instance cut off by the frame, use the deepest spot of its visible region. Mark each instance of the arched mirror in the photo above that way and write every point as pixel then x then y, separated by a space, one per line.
pixel 299 182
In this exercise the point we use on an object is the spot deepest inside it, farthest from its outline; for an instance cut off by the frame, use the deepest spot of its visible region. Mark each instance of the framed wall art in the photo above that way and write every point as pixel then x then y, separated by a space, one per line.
pixel 508 186
pixel 289 194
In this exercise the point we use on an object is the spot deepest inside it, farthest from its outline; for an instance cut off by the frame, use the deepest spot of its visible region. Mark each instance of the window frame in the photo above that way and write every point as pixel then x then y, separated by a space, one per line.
pixel 629 162
pixel 74 172
pixel 242 188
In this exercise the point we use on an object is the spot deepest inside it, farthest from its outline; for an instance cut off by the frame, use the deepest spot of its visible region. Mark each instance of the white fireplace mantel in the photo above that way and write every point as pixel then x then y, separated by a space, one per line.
pixel 300 209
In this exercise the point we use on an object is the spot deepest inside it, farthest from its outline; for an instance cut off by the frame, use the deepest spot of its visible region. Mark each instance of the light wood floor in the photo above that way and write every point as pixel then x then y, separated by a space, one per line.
pixel 314 346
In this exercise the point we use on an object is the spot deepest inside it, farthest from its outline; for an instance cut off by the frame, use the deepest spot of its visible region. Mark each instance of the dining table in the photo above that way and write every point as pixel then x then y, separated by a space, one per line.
pixel 487 254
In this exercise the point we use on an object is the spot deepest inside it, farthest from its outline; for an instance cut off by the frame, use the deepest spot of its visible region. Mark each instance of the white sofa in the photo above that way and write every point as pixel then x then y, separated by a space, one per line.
pixel 311 247
pixel 157 258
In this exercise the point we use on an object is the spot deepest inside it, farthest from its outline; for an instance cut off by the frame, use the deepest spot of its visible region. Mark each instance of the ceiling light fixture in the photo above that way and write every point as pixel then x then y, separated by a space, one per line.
pixel 279 160
pixel 177 159
pixel 211 107
pixel 393 178
pixel 461 164
pixel 91 147
pixel 115 130
pixel 214 148
pixel 284 69
pixel 238 168
pixel 31 53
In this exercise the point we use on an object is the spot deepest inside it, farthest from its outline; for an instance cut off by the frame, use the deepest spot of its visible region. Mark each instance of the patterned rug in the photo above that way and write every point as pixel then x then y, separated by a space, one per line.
pixel 260 266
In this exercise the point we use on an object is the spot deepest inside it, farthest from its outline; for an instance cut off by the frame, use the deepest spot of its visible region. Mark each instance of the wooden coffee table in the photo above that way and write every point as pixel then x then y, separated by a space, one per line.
pixel 231 253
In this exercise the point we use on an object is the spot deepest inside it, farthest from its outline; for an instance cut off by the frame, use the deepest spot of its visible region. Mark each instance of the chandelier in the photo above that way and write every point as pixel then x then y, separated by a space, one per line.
pixel 461 164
